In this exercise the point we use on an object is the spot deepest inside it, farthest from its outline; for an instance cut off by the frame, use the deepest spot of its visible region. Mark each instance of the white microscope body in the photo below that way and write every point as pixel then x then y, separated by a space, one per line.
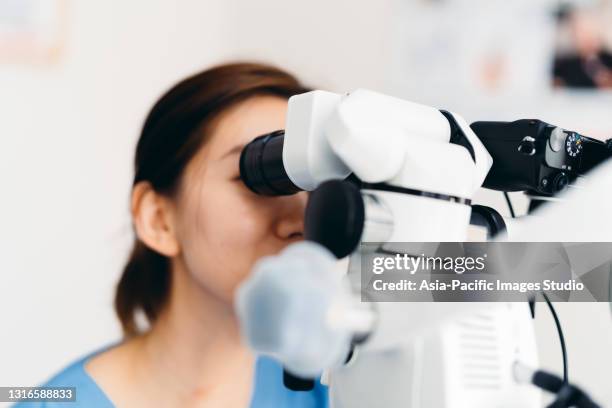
pixel 385 139
pixel 297 309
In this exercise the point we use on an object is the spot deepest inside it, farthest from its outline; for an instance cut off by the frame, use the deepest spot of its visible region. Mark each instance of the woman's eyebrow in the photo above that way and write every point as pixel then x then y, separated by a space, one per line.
pixel 233 150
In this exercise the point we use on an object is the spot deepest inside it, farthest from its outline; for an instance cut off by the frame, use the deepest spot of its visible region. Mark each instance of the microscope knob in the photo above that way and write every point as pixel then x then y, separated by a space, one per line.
pixel 560 181
pixel 335 217
pixel 527 146
pixel 557 139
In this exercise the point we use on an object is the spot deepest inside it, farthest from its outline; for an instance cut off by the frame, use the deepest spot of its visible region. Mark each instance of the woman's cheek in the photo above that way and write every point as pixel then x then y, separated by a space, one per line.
pixel 224 236
pixel 217 259
pixel 248 220
pixel 228 214
pixel 231 227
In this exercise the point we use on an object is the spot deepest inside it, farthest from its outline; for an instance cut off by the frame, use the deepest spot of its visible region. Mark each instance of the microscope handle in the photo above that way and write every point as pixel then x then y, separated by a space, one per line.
pixel 295 383
pixel 568 395
pixel 489 218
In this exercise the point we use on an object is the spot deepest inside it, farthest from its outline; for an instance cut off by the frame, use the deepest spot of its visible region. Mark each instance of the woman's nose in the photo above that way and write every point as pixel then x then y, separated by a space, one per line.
pixel 290 216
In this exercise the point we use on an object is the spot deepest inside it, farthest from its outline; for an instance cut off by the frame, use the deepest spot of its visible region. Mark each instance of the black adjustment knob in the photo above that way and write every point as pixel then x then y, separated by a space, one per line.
pixel 335 217
pixel 560 181
pixel 527 146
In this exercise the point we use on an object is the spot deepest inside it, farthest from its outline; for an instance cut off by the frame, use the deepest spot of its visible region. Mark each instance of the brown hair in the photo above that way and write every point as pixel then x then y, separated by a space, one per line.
pixel 172 134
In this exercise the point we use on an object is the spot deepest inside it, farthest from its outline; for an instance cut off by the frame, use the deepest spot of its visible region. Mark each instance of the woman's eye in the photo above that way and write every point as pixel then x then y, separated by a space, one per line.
pixel 237 178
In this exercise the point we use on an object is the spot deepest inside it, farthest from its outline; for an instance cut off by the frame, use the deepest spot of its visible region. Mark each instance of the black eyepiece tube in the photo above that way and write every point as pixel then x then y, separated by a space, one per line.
pixel 261 166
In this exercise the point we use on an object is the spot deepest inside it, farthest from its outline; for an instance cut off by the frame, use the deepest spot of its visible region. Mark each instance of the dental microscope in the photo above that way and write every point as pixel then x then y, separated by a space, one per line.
pixel 385 171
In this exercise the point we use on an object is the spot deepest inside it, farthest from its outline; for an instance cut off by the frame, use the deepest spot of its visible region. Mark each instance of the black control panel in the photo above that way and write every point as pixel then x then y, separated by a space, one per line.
pixel 531 155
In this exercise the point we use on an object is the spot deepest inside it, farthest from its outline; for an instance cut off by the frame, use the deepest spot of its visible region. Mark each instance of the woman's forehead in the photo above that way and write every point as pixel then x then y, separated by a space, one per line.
pixel 246 120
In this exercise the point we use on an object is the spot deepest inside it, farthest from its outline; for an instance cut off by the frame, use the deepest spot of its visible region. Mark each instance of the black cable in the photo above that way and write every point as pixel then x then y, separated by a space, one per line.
pixel 509 204
pixel 561 337
pixel 550 306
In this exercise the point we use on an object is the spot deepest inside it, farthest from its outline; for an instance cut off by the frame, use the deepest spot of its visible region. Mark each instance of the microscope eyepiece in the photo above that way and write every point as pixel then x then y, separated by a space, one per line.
pixel 261 166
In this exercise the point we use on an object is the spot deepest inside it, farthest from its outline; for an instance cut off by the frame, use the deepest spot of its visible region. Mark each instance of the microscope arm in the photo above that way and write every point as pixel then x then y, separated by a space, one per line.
pixel 378 136
pixel 328 136
pixel 372 132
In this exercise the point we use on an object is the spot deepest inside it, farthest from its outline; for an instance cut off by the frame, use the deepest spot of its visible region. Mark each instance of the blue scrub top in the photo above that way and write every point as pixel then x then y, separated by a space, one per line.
pixel 269 391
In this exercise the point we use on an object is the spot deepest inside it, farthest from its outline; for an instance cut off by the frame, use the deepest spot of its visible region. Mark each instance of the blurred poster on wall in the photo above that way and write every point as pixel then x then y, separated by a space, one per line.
pixel 482 46
pixel 583 54
pixel 32 31
pixel 505 60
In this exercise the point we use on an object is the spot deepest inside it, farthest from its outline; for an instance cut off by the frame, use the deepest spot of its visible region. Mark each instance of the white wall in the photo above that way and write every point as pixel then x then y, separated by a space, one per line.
pixel 338 45
pixel 67 135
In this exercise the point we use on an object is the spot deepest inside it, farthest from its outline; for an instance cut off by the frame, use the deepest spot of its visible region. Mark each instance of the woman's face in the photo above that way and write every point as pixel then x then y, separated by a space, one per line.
pixel 222 226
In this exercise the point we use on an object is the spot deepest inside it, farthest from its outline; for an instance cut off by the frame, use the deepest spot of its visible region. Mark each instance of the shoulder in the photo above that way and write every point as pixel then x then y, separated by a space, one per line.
pixel 87 392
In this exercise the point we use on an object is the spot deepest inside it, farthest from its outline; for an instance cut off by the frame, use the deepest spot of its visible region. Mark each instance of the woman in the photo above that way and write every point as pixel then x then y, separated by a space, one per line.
pixel 198 232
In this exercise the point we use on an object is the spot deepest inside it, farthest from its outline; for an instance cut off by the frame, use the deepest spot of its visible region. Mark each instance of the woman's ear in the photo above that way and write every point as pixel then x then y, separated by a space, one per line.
pixel 154 220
